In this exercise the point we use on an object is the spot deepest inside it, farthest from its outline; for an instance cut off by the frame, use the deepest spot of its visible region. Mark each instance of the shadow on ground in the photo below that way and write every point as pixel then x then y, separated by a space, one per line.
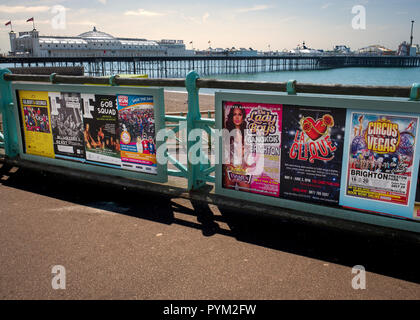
pixel 377 254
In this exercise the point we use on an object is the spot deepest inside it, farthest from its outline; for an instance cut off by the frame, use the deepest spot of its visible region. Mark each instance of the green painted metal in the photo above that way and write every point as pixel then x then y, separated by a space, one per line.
pixel 195 180
pixel 11 142
pixel 415 92
pixel 52 78
pixel 373 104
pixel 291 87
pixel 112 81
pixel 175 119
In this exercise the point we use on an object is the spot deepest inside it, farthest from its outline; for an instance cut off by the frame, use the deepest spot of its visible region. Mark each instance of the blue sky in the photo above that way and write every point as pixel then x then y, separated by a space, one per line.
pixel 258 24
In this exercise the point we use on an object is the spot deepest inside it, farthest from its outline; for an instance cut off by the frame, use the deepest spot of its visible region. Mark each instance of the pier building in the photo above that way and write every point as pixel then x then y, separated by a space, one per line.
pixel 91 44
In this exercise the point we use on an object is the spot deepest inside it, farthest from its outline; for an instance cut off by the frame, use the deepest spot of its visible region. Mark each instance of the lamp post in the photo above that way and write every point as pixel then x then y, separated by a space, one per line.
pixel 411 37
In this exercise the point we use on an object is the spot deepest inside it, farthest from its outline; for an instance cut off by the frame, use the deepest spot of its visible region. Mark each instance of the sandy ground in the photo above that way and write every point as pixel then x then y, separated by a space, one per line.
pixel 178 102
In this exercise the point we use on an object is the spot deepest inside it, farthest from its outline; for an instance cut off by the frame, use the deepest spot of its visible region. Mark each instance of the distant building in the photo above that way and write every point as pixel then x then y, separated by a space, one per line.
pixel 91 44
pixel 376 50
pixel 243 52
pixel 303 49
pixel 404 49
pixel 342 49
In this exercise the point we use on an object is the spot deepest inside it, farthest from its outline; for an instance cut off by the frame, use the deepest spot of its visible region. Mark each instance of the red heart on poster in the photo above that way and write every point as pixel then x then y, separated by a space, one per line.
pixel 314 130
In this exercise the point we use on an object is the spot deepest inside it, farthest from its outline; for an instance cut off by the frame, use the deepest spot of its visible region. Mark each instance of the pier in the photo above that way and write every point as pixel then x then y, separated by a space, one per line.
pixel 175 67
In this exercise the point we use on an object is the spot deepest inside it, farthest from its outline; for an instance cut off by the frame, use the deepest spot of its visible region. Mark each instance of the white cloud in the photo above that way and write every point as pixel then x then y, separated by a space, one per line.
pixel 102 1
pixel 326 5
pixel 205 17
pixel 23 9
pixel 142 12
pixel 254 8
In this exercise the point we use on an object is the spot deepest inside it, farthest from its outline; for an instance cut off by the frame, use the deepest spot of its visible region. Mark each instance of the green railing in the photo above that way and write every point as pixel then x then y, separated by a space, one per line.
pixel 198 173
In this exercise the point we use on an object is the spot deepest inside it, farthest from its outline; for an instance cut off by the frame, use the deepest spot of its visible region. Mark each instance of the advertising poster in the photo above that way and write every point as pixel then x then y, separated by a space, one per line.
pixel 35 111
pixel 101 138
pixel 251 147
pixel 312 144
pixel 137 133
pixel 67 124
pixel 380 161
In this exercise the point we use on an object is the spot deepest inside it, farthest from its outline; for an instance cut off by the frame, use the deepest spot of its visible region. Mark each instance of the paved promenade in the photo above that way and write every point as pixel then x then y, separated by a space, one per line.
pixel 119 243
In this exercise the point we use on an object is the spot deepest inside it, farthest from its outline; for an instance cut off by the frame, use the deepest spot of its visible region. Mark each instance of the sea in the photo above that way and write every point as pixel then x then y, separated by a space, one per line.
pixel 344 76
pixel 355 76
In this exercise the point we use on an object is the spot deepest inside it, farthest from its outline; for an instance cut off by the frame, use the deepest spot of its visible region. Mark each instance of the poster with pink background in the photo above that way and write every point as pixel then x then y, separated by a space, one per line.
pixel 252 147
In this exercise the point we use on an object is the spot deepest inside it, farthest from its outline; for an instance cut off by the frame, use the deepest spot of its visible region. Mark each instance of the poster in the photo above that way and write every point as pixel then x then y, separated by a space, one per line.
pixel 312 150
pixel 67 124
pixel 137 133
pixel 380 162
pixel 35 111
pixel 251 147
pixel 101 139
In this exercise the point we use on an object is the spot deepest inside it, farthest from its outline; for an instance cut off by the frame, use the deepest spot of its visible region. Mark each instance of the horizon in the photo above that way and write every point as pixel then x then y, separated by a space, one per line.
pixel 266 26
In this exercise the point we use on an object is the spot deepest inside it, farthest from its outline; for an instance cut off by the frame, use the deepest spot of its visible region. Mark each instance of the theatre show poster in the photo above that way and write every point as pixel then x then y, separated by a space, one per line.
pixel 67 124
pixel 101 138
pixel 137 133
pixel 312 144
pixel 380 163
pixel 251 147
pixel 35 111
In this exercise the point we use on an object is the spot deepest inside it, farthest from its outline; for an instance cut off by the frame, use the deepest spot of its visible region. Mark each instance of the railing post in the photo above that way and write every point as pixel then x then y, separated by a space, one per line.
pixel 291 87
pixel 11 145
pixel 194 147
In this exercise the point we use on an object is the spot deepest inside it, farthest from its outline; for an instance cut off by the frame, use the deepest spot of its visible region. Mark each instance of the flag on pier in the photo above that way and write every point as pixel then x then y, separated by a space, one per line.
pixel 8 23
pixel 30 19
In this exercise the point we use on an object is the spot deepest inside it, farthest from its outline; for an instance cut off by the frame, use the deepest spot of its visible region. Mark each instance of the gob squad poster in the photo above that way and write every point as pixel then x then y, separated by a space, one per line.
pixel 101 138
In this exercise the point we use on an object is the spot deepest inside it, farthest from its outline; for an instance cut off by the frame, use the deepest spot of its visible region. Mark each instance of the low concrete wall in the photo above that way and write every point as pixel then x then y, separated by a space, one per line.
pixel 64 71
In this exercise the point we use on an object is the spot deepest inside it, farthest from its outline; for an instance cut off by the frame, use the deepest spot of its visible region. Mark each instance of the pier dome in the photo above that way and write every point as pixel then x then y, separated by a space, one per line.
pixel 95 34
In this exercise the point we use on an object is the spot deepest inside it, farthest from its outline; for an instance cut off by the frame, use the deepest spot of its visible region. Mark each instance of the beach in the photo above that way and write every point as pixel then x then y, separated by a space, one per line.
pixel 178 102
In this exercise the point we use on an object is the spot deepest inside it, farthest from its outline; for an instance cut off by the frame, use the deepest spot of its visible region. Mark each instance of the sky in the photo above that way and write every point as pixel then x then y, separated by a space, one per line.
pixel 261 25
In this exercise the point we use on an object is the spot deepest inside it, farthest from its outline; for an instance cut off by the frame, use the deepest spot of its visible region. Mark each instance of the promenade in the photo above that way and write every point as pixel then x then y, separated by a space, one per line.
pixel 123 243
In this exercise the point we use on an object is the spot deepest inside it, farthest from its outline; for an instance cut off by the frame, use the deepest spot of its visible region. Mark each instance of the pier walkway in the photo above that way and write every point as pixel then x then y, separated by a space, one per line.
pixel 175 67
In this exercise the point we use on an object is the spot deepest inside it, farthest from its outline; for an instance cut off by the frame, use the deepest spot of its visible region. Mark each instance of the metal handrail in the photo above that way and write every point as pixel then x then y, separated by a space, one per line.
pixel 386 91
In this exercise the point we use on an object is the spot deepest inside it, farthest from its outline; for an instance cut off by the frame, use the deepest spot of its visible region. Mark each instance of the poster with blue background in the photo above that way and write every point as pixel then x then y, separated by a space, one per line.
pixel 381 161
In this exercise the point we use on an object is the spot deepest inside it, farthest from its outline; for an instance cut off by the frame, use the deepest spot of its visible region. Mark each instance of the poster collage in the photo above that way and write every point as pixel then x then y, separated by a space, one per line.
pixel 329 156
pixel 110 130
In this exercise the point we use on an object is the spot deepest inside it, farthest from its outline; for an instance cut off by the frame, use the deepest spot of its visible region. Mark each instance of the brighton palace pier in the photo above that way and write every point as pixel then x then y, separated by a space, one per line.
pixel 91 44
pixel 100 54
